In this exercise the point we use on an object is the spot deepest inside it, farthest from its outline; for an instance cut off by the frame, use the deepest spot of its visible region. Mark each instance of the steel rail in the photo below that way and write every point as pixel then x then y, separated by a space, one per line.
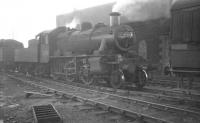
pixel 127 98
pixel 163 91
pixel 143 93
pixel 173 91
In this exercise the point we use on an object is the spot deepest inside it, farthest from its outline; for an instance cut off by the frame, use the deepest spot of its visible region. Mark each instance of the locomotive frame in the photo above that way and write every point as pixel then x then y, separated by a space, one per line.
pixel 77 68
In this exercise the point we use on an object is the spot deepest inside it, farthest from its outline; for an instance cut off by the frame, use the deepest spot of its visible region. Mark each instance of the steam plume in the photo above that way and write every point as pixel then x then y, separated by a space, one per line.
pixel 74 23
pixel 141 10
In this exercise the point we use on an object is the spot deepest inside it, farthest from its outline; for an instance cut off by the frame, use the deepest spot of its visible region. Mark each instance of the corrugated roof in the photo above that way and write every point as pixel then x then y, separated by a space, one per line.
pixel 183 4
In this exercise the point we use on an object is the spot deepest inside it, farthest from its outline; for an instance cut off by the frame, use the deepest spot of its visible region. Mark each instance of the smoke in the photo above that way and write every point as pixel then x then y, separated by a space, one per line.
pixel 173 1
pixel 141 10
pixel 75 23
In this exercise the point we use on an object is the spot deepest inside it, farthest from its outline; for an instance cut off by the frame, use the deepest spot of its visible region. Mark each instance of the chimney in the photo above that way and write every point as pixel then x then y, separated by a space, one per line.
pixel 114 19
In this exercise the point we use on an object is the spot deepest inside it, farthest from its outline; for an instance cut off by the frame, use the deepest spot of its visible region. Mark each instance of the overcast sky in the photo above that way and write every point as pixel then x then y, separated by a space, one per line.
pixel 23 19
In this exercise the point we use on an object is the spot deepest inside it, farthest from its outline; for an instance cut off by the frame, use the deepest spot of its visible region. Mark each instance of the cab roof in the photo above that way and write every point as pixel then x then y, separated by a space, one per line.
pixel 184 4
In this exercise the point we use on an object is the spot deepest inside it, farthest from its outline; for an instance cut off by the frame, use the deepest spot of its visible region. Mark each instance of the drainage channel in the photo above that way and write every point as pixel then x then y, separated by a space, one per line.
pixel 46 114
pixel 148 115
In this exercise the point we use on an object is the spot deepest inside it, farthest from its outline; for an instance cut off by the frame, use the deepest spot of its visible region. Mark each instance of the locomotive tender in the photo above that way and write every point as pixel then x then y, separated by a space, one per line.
pixel 185 39
pixel 103 53
pixel 7 53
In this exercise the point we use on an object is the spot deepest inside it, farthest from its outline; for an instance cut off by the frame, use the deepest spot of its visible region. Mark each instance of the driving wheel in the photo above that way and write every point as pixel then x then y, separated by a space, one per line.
pixel 85 75
pixel 141 78
pixel 116 79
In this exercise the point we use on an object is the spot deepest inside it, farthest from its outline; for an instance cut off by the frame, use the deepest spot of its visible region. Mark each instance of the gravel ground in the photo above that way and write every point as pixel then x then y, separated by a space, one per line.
pixel 16 108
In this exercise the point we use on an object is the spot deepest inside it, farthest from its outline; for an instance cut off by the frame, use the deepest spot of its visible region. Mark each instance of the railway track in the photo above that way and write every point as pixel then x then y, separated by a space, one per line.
pixel 176 82
pixel 135 107
pixel 168 92
pixel 181 99
pixel 182 96
pixel 183 102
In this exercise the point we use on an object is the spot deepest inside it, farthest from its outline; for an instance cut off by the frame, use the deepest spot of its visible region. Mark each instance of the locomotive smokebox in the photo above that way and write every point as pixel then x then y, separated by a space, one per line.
pixel 114 19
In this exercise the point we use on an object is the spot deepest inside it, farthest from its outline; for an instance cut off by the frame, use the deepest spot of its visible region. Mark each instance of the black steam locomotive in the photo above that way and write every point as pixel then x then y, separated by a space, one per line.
pixel 99 54
pixel 102 53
